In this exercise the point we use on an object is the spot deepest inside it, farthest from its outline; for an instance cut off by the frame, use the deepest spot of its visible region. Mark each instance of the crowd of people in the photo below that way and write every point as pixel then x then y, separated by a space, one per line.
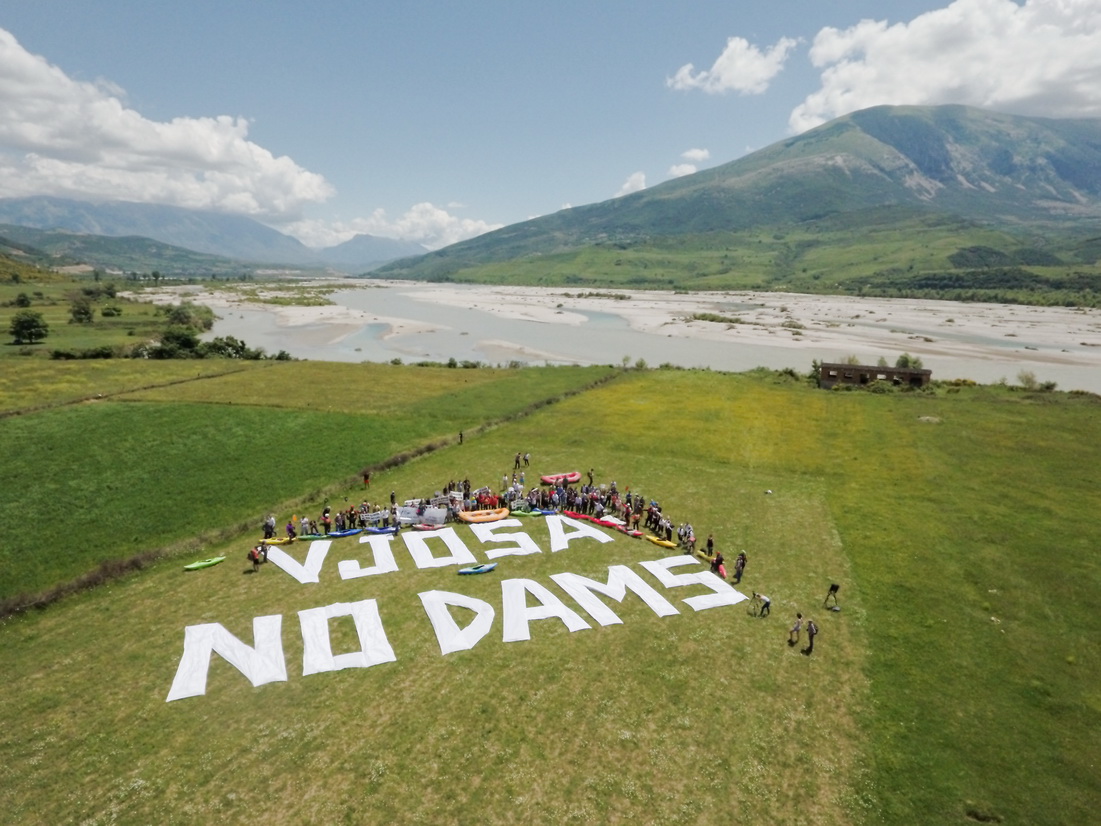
pixel 629 509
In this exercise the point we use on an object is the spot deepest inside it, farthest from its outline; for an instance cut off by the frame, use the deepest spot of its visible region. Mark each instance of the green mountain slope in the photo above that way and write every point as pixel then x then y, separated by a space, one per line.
pixel 128 253
pixel 1028 175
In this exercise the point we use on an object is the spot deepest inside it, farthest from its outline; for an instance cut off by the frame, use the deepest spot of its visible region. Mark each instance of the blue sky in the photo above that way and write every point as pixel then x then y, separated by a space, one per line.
pixel 437 121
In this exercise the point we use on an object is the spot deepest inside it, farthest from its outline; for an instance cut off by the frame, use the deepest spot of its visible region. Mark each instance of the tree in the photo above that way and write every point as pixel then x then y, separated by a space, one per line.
pixel 22 300
pixel 82 311
pixel 906 361
pixel 27 327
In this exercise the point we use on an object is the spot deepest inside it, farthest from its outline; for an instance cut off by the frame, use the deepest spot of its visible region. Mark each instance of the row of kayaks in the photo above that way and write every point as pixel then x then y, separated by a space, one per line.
pixel 472 517
pixel 484 568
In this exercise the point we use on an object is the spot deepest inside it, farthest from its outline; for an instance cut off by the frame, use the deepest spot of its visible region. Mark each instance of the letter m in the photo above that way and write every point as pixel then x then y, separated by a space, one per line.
pixel 620 579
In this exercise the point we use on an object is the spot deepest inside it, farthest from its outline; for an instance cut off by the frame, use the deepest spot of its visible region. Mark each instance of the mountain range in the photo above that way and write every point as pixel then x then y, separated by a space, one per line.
pixel 81 230
pixel 1008 172
pixel 1013 188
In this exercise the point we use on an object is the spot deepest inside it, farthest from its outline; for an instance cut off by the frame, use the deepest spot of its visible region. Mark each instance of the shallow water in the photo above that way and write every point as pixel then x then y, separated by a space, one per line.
pixel 473 334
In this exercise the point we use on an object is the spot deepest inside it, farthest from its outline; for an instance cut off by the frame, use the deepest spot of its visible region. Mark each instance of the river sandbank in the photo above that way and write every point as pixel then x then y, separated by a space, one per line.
pixel 727 330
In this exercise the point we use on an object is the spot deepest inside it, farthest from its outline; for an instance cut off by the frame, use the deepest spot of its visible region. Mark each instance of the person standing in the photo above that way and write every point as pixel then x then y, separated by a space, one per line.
pixel 527 460
pixel 460 437
pixel 793 634
pixel 739 567
pixel 812 632
pixel 516 462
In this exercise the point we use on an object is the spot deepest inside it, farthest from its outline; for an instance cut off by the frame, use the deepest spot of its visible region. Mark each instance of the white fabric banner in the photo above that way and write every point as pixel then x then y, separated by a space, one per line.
pixel 433 516
pixel 407 515
pixel 308 572
pixel 517 614
pixel 382 552
pixel 560 539
pixel 620 578
pixel 724 594
pixel 317 654
pixel 487 532
pixel 417 543
pixel 261 664
pixel 448 633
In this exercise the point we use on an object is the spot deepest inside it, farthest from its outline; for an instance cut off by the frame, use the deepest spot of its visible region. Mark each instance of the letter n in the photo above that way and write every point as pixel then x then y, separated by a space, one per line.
pixel 262 663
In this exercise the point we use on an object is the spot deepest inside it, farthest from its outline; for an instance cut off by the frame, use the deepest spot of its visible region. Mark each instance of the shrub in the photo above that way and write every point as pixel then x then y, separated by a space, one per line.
pixel 28 326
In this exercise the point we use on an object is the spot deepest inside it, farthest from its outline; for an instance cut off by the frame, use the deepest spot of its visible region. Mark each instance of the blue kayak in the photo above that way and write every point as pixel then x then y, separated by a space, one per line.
pixel 484 568
pixel 349 532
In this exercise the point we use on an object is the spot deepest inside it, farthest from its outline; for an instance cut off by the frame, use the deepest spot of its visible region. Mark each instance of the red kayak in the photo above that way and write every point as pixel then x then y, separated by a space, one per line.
pixel 571 478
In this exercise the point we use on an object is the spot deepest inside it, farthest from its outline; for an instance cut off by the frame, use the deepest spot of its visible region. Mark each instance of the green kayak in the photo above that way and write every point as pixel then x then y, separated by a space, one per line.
pixel 203 563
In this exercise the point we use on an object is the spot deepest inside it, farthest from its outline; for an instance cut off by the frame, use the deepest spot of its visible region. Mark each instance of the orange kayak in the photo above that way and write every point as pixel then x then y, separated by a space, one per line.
pixel 484 516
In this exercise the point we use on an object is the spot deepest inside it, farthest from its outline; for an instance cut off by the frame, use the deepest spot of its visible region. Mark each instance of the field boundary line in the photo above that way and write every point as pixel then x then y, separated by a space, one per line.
pixel 114 569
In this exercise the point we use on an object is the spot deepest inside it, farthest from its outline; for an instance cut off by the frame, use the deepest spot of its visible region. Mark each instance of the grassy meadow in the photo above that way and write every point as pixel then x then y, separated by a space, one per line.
pixel 957 685
pixel 202 453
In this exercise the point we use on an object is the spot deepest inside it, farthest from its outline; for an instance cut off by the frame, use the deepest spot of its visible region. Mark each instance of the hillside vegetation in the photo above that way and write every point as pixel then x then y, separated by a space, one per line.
pixel 888 201
pixel 957 683
pixel 902 254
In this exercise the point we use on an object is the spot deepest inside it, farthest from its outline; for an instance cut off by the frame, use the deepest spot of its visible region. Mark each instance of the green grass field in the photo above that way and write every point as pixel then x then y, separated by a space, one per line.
pixel 200 454
pixel 957 685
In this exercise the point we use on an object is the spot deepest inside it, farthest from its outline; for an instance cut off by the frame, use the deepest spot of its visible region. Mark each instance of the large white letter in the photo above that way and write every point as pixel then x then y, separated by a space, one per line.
pixel 317 655
pixel 724 593
pixel 307 573
pixel 382 552
pixel 620 578
pixel 417 543
pixel 560 540
pixel 485 532
pixel 262 664
pixel 450 637
pixel 517 614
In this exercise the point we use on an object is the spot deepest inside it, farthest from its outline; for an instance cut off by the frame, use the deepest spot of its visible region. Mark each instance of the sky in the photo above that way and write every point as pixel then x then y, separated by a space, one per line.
pixel 438 121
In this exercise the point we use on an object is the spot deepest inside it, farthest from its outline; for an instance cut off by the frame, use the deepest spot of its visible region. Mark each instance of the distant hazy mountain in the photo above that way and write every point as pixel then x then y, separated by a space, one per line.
pixel 129 253
pixel 999 169
pixel 214 233
pixel 89 226
pixel 364 252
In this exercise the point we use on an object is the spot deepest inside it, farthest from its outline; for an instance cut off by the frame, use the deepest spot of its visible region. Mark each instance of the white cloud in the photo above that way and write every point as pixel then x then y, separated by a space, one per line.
pixel 423 223
pixel 1042 57
pixel 635 182
pixel 681 169
pixel 742 67
pixel 77 139
pixel 696 155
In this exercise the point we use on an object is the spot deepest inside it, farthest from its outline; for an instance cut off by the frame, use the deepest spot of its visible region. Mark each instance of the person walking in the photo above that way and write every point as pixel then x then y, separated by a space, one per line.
pixel 812 632
pixel 793 634
pixel 834 588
